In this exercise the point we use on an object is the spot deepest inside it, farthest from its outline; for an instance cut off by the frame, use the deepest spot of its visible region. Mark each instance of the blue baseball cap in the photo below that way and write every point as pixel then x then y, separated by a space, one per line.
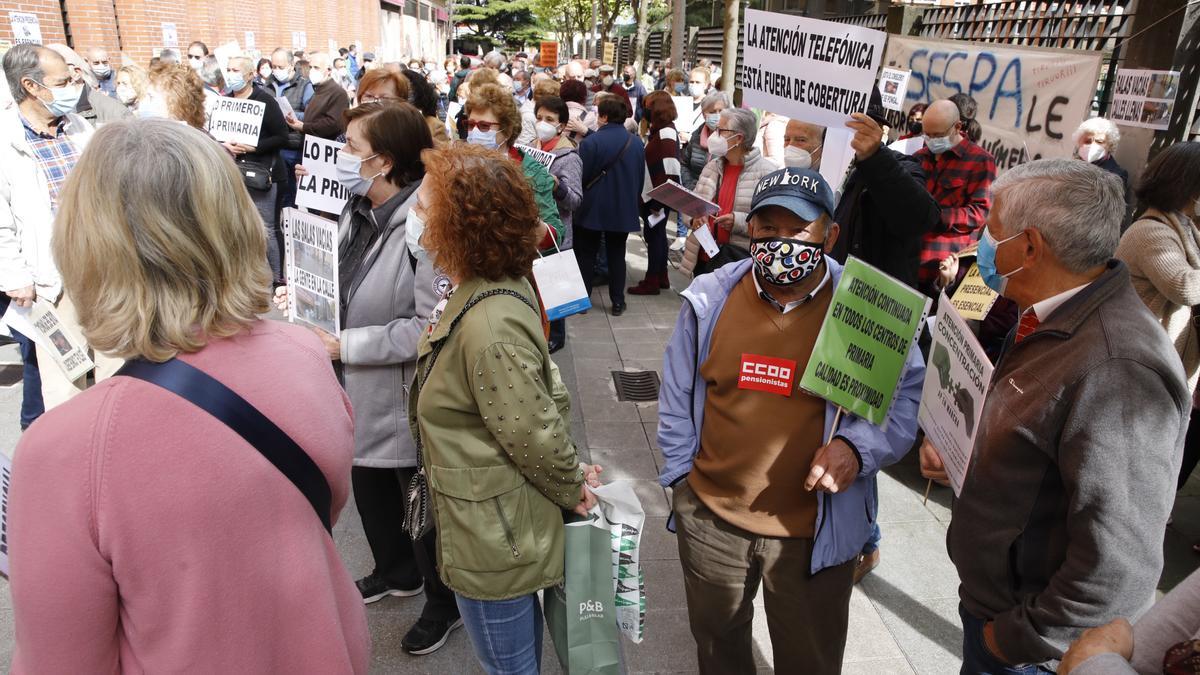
pixel 804 192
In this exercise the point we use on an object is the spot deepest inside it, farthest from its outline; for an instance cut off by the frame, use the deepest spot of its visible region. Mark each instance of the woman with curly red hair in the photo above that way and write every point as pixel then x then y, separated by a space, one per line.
pixel 489 411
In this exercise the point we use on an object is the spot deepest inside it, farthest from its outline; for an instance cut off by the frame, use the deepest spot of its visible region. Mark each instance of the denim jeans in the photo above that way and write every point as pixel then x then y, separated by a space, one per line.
pixel 506 634
pixel 32 406
pixel 978 660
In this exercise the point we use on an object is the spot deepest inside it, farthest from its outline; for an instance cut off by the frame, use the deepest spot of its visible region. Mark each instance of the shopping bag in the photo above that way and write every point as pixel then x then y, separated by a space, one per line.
pixel 624 516
pixel 580 612
pixel 560 284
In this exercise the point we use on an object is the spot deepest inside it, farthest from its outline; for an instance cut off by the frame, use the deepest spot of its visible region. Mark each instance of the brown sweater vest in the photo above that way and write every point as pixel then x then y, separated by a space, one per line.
pixel 756 447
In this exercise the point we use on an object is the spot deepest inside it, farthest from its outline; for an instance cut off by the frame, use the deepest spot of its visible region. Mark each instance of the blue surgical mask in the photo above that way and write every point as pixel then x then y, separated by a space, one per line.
pixel 711 120
pixel 234 82
pixel 66 99
pixel 985 257
pixel 939 145
pixel 414 228
pixel 486 139
pixel 348 168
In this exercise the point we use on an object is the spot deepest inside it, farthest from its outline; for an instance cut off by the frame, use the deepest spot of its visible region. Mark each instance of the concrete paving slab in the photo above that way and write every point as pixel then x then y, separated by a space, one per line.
pixel 913 564
pixel 929 632
pixel 625 464
pixel 613 432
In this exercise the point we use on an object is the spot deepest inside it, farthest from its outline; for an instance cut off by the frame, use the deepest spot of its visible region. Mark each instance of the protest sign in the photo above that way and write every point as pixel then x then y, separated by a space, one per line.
pixel 610 54
pixel 320 189
pixel 974 299
pixel 548 55
pixel 225 52
pixel 860 353
pixel 236 120
pixel 26 28
pixel 687 116
pixel 311 244
pixel 285 107
pixel 170 36
pixel 249 40
pixel 1144 98
pixel 675 196
pixel 808 69
pixel 41 324
pixel 893 85
pixel 5 487
pixel 1026 95
pixel 537 154
pixel 956 383
pixel 908 146
pixel 299 40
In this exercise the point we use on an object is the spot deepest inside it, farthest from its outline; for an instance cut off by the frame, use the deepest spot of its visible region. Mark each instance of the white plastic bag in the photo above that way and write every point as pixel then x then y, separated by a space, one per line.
pixel 623 514
pixel 560 284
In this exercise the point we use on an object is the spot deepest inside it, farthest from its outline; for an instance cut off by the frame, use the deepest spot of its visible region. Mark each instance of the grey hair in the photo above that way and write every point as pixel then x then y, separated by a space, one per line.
pixel 21 62
pixel 493 59
pixel 1077 207
pixel 744 122
pixel 212 74
pixel 715 98
pixel 291 58
pixel 1099 125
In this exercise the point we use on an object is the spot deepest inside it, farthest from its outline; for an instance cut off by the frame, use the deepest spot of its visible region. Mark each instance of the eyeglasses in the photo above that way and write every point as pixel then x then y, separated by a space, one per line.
pixel 482 126
pixel 193 57
pixel 368 98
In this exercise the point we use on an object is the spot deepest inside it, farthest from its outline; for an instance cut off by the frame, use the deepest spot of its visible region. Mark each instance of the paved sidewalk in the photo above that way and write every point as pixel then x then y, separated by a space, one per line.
pixel 903 616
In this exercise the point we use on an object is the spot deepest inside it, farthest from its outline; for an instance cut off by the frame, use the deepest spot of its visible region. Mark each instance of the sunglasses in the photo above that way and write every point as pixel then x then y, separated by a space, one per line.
pixel 482 126
pixel 193 57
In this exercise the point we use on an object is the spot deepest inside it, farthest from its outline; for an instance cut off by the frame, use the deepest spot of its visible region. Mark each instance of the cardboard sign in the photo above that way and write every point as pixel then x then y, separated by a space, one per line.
pixel 687 117
pixel 170 36
pixel 1144 98
pixel 675 196
pixel 956 383
pixel 311 244
pixel 610 53
pixel 320 189
pixel 767 374
pixel 548 55
pixel 26 28
pixel 808 69
pixel 860 353
pixel 41 324
pixel 1030 99
pixel 299 40
pixel 893 86
pixel 537 154
pixel 974 299
pixel 236 120
pixel 225 52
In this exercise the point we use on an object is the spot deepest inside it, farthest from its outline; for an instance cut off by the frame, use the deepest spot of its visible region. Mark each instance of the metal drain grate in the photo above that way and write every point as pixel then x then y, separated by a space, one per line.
pixel 636 385
pixel 11 374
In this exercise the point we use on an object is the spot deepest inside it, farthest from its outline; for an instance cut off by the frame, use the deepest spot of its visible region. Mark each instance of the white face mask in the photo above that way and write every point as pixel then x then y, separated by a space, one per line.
pixel 281 74
pixel 317 76
pixel 102 71
pixel 795 158
pixel 607 81
pixel 696 89
pixel 546 131
pixel 413 229
pixel 718 145
pixel 126 94
pixel 1091 152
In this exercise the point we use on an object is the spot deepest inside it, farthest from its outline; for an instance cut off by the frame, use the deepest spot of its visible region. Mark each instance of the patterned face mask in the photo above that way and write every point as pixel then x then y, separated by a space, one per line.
pixel 783 261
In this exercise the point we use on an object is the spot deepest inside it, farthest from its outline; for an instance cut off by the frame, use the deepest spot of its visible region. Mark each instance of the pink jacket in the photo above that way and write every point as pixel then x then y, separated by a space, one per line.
pixel 148 537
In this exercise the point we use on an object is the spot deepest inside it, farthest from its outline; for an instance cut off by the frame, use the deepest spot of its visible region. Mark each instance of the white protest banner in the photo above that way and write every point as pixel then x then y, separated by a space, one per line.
pixel 808 69
pixel 299 40
pixel 537 154
pixel 893 85
pixel 41 324
pixel 685 116
pixel 956 383
pixel 249 40
pixel 236 120
pixel 26 28
pixel 320 189
pixel 1028 97
pixel 1144 98
pixel 311 244
pixel 170 36
pixel 225 52
pixel 5 487
pixel 683 200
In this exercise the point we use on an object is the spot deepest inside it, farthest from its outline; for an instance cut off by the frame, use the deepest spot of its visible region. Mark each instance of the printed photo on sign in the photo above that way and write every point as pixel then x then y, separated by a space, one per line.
pixel 1144 98
pixel 321 190
pixel 893 87
pixel 26 28
pixel 311 245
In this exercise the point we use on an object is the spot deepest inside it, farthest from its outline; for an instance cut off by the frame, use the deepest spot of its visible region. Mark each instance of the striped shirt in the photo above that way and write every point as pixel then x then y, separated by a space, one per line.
pixel 662 161
pixel 56 155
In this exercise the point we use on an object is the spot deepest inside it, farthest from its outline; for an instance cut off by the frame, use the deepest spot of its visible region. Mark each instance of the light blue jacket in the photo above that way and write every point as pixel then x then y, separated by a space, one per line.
pixel 845 519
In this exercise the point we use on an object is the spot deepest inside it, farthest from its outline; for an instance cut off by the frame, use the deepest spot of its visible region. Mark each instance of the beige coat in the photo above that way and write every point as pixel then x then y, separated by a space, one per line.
pixel 755 167
pixel 1164 264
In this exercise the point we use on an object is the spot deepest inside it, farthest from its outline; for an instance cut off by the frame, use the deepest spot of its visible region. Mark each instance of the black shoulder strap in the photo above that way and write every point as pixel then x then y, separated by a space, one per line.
pixel 610 165
pixel 208 394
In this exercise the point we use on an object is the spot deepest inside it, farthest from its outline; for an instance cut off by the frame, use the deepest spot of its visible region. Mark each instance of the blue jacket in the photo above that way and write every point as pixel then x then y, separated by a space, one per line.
pixel 844 520
pixel 611 205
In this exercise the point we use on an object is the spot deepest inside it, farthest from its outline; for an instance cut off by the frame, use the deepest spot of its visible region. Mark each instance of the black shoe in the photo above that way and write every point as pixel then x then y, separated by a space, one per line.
pixel 374 588
pixel 618 309
pixel 600 280
pixel 554 345
pixel 428 635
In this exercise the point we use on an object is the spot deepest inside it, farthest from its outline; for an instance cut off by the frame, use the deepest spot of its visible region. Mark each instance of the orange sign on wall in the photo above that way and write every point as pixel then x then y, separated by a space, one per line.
pixel 548 55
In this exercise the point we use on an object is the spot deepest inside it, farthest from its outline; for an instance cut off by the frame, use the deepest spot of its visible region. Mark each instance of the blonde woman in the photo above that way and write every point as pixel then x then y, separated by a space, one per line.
pixel 153 537
pixel 132 82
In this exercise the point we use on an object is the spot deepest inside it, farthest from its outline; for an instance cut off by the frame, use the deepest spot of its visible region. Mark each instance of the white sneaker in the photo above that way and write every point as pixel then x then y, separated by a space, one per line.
pixel 678 244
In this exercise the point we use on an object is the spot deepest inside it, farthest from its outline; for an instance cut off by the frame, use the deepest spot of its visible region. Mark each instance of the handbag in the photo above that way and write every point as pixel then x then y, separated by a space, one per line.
pixel 207 393
pixel 728 253
pixel 254 174
pixel 416 511
pixel 609 166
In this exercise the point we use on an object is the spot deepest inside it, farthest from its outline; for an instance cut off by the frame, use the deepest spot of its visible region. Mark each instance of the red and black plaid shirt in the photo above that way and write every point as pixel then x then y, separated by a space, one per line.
pixel 960 179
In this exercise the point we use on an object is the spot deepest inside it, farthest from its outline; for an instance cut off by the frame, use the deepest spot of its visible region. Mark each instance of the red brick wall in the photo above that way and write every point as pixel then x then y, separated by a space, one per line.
pixel 134 27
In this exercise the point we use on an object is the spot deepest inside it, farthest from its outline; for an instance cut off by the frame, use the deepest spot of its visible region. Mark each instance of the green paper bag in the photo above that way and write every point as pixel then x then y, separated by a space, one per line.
pixel 580 613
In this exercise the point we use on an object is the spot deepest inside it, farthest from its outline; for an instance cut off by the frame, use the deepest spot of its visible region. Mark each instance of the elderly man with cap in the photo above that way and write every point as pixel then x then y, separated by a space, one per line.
pixel 760 489
pixel 1059 525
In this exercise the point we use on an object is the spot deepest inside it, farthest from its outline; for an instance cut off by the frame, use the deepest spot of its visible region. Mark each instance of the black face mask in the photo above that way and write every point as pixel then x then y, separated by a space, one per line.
pixel 914 127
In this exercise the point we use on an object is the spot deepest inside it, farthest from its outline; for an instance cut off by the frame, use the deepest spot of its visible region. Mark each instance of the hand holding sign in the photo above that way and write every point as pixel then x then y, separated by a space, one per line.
pixel 834 468
pixel 868 136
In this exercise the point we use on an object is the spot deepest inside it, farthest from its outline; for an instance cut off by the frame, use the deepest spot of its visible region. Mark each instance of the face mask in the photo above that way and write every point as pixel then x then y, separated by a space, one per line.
pixel 102 71
pixel 797 158
pixel 783 261
pixel 680 89
pixel 711 120
pixel 607 81
pixel 627 77
pixel 66 98
pixel 126 94
pixel 265 73
pixel 1091 152
pixel 485 138
pixel 339 73
pixel 939 145
pixel 914 127
pixel 718 145
pixel 234 82
pixel 196 64
pixel 348 167
pixel 317 76
pixel 696 89
pixel 546 131
pixel 152 105
pixel 986 259
pixel 413 230
pixel 281 74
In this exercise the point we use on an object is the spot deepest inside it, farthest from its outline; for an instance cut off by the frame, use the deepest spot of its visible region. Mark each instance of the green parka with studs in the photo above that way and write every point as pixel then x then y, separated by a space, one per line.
pixel 492 419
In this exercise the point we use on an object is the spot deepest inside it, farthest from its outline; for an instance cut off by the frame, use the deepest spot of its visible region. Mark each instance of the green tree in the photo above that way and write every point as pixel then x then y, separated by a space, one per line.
pixel 499 21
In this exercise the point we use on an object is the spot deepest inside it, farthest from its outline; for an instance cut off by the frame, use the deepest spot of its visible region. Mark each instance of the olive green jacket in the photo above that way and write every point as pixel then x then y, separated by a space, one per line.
pixel 492 415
